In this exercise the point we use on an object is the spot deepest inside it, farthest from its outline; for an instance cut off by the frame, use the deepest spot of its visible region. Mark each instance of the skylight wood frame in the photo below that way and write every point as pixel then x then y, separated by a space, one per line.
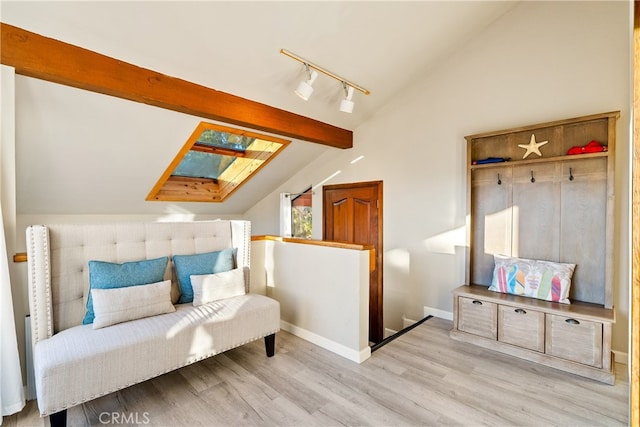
pixel 247 163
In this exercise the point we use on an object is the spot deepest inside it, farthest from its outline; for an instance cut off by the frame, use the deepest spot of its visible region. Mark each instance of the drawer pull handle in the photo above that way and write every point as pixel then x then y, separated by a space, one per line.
pixel 520 311
pixel 572 321
pixel 476 302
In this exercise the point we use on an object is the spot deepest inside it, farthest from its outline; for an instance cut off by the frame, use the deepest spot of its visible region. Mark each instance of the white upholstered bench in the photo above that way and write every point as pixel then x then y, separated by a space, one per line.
pixel 75 363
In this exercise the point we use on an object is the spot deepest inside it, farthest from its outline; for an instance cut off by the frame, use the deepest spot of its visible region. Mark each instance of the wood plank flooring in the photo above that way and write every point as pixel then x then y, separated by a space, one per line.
pixel 422 378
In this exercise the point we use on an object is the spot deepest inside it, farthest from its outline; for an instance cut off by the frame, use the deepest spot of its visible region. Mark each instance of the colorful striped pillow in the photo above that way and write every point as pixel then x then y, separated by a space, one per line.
pixel 545 280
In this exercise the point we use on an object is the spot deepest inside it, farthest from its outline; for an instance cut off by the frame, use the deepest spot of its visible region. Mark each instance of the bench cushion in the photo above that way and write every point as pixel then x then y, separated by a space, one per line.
pixel 79 364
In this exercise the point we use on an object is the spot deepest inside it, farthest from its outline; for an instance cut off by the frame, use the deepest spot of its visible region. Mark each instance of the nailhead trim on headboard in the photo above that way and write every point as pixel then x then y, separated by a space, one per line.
pixel 38 265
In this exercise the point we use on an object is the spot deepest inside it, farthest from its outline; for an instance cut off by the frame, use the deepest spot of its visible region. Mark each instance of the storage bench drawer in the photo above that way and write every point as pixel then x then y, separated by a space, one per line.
pixel 521 326
pixel 574 339
pixel 478 317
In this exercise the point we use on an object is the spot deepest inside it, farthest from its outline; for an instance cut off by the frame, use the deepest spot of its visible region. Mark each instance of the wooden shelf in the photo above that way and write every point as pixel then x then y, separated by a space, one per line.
pixel 555 123
pixel 541 160
pixel 547 218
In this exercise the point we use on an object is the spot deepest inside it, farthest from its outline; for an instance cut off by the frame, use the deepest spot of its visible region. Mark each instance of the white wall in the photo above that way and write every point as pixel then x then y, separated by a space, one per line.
pixel 323 292
pixel 542 61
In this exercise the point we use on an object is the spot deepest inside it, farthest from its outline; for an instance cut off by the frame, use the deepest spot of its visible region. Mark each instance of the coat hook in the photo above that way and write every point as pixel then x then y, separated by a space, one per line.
pixel 570 174
pixel 499 180
pixel 532 178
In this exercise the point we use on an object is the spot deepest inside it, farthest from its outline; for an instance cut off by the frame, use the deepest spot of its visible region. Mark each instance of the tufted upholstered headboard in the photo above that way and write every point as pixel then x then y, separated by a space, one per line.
pixel 58 257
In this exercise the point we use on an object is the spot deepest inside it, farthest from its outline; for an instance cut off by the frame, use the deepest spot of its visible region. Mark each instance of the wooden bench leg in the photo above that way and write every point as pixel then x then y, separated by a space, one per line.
pixel 270 345
pixel 59 419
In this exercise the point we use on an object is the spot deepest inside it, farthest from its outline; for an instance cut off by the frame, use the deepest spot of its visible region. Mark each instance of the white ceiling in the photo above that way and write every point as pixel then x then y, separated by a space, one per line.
pixel 230 46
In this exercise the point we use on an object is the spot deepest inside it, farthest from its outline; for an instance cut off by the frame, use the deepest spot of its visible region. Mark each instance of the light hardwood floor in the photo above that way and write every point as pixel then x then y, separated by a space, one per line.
pixel 422 378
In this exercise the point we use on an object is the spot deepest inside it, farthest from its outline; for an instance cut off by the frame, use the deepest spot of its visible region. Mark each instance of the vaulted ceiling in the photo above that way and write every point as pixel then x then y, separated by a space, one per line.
pixel 79 152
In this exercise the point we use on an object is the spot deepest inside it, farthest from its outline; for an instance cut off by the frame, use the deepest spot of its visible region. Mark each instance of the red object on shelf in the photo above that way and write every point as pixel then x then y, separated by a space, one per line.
pixel 591 147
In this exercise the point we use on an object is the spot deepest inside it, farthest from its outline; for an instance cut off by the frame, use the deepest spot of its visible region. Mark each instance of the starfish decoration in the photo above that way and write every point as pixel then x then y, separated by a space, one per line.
pixel 532 147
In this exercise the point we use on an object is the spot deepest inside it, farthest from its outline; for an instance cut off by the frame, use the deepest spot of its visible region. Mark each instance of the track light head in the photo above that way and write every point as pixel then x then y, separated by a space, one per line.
pixel 305 88
pixel 346 105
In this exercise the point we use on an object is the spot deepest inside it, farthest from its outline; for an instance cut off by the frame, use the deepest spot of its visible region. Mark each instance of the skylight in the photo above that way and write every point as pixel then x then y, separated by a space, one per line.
pixel 213 163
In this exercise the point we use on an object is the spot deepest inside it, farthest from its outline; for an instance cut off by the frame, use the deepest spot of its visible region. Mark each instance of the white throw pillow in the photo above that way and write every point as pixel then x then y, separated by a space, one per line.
pixel 119 305
pixel 214 287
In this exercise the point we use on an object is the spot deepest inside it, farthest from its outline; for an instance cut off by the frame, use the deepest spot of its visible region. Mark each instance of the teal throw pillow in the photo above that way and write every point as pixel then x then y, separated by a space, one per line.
pixel 108 275
pixel 206 263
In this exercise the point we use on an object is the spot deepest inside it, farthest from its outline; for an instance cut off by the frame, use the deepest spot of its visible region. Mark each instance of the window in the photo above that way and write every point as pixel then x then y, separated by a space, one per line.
pixel 213 163
pixel 301 215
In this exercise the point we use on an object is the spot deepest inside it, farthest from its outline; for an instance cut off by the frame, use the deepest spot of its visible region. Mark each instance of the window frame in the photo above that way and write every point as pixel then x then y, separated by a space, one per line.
pixel 173 188
pixel 308 192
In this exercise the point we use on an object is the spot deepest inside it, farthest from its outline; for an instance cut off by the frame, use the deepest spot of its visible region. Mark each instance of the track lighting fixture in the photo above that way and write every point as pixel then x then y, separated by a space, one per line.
pixel 305 88
pixel 346 105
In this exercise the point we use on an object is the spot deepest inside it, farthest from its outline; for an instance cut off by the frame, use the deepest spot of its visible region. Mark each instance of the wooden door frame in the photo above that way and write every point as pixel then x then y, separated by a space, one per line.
pixel 379 245
pixel 634 398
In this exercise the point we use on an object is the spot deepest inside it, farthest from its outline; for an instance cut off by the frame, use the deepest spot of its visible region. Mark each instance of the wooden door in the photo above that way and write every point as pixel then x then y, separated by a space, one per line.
pixel 352 213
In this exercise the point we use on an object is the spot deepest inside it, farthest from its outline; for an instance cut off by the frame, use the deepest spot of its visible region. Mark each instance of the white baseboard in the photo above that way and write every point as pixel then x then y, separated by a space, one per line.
pixel 621 357
pixel 435 312
pixel 388 332
pixel 337 348
pixel 406 322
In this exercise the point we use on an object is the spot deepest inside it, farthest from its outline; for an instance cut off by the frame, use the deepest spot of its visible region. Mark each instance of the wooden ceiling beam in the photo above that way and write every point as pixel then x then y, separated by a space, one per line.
pixel 44 58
